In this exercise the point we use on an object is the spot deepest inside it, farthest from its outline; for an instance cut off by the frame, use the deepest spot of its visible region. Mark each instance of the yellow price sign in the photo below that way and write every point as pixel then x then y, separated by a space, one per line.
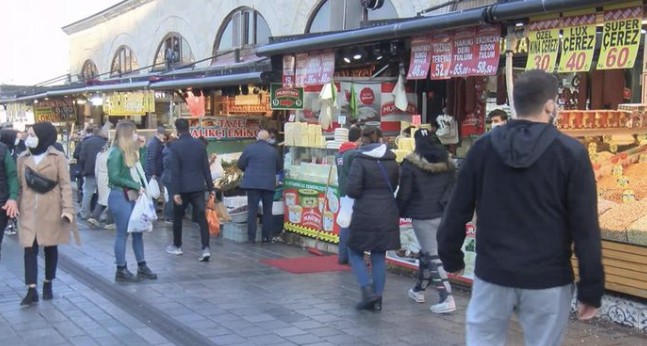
pixel 578 43
pixel 621 36
pixel 543 43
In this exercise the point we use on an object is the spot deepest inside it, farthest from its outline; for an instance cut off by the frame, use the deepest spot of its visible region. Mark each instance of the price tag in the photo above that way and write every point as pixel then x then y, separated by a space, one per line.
pixel 293 117
pixel 543 43
pixel 578 43
pixel 341 120
pixel 441 55
pixel 420 58
pixel 621 36
pixel 415 120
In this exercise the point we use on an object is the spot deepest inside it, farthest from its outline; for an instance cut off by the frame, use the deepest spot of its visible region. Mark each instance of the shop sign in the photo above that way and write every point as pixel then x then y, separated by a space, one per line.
pixel 543 43
pixel 488 40
pixel 311 210
pixel 578 43
pixel 520 47
pixel 420 58
pixel 55 111
pixel 463 53
pixel 301 70
pixel 441 55
pixel 285 98
pixel 227 128
pixel 621 36
pixel 327 67
pixel 320 68
pixel 129 104
pixel 289 63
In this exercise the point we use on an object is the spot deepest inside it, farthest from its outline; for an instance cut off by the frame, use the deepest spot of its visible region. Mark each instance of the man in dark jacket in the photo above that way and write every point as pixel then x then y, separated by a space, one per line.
pixel 191 178
pixel 87 158
pixel 154 163
pixel 344 160
pixel 260 162
pixel 546 184
pixel 77 170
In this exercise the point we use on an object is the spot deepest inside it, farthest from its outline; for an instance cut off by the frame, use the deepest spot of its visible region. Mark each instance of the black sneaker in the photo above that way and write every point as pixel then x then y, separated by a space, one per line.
pixel 124 275
pixel 31 297
pixel 143 272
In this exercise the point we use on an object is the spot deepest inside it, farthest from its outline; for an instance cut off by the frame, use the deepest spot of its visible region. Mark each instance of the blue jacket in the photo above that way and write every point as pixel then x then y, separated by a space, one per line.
pixel 189 166
pixel 154 163
pixel 260 162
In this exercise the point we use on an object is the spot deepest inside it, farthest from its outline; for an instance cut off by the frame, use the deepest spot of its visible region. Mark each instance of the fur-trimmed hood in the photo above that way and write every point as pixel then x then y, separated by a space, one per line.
pixel 423 164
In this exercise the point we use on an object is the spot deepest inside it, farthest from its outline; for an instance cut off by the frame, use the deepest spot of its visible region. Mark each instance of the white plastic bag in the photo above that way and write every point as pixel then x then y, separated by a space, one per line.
pixel 143 215
pixel 345 214
pixel 153 189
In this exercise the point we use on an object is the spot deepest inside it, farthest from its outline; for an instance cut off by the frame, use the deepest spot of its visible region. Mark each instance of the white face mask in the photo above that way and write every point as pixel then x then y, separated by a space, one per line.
pixel 31 142
pixel 135 137
pixel 496 125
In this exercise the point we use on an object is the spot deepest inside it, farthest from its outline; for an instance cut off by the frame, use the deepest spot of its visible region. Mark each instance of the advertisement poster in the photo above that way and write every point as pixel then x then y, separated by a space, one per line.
pixel 441 55
pixel 621 36
pixel 463 53
pixel 311 210
pixel 327 67
pixel 543 43
pixel 135 103
pixel 301 70
pixel 578 43
pixel 289 64
pixel 285 98
pixel 488 39
pixel 420 58
pixel 314 69
pixel 55 110
pixel 226 128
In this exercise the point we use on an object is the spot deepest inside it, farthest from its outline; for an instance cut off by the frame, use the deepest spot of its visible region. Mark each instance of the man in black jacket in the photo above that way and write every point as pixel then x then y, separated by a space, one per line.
pixel 191 178
pixel 87 158
pixel 534 192
pixel 154 163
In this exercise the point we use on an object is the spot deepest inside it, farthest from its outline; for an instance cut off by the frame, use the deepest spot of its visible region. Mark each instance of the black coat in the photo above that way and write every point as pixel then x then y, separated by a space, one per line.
pixel 154 164
pixel 91 147
pixel 190 166
pixel 375 225
pixel 424 187
pixel 260 162
pixel 167 160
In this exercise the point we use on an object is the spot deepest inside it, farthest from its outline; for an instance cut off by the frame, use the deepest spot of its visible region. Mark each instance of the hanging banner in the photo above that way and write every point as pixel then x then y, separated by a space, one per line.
pixel 55 111
pixel 463 53
pixel 135 103
pixel 543 43
pixel 420 58
pixel 578 43
pixel 488 40
pixel 311 210
pixel 301 70
pixel 282 98
pixel 226 128
pixel 289 63
pixel 441 55
pixel 621 36
pixel 314 69
pixel 327 67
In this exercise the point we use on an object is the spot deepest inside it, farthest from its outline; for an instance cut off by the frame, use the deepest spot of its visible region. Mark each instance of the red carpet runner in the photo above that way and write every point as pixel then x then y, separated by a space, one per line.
pixel 305 265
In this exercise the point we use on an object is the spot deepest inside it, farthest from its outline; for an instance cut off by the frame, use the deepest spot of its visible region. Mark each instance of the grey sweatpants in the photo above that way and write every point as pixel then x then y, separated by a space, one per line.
pixel 543 314
pixel 430 268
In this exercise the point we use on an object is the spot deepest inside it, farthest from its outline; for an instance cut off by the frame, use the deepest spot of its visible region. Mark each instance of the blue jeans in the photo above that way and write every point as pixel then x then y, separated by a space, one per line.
pixel 343 247
pixel 121 209
pixel 378 266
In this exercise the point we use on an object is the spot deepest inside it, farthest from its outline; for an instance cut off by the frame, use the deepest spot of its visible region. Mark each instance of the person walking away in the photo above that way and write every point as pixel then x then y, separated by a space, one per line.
pixel 126 185
pixel 46 207
pixel 426 181
pixel 547 185
pixel 167 180
pixel 344 160
pixel 8 189
pixel 260 163
pixel 154 158
pixel 87 160
pixel 191 178
pixel 375 225
pixel 82 137
pixel 103 190
pixel 15 145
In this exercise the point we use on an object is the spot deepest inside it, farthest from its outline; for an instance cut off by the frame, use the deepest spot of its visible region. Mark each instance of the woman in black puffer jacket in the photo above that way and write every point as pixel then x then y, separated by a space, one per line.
pixel 375 225
pixel 426 181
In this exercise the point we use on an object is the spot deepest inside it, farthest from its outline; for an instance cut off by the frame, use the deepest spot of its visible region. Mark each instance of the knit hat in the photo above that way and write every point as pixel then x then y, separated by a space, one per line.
pixel 47 135
pixel 428 146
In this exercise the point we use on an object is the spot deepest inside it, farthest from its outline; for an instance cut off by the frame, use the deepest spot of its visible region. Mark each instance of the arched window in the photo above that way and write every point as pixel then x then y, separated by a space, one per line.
pixel 124 62
pixel 243 27
pixel 89 70
pixel 174 50
pixel 323 19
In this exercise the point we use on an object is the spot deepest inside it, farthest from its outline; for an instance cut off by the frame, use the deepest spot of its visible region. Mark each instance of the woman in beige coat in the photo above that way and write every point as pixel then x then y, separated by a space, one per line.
pixel 45 206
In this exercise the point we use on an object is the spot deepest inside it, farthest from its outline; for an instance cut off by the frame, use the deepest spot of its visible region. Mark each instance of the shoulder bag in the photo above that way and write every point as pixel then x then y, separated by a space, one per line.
pixel 37 182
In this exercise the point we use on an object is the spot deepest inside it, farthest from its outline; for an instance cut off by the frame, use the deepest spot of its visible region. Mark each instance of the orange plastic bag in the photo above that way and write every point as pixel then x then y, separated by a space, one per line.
pixel 212 217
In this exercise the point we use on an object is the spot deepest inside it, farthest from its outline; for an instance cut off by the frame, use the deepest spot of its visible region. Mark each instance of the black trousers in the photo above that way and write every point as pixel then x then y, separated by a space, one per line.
pixel 199 206
pixel 4 220
pixel 254 196
pixel 31 263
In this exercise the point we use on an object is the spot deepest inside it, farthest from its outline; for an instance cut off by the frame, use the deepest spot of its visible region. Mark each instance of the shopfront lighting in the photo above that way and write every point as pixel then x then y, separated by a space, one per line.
pixel 81 102
pixel 347 60
pixel 96 100
pixel 35 101
pixel 357 54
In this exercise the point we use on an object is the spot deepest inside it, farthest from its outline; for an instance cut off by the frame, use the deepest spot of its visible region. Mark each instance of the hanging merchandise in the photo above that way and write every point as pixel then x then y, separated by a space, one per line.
pixel 328 100
pixel 578 41
pixel 400 94
pixel 195 104
pixel 543 42
pixel 352 102
pixel 447 129
pixel 621 37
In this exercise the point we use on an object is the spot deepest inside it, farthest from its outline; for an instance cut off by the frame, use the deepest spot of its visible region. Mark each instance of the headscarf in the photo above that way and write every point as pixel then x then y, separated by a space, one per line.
pixel 47 135
pixel 8 138
pixel 429 147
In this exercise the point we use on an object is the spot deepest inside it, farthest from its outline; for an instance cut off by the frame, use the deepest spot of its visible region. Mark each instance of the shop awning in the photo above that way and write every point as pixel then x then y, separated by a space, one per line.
pixel 212 81
pixel 117 87
pixel 490 14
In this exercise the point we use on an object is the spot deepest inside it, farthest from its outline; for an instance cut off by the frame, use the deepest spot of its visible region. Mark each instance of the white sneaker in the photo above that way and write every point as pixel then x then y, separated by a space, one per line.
pixel 206 254
pixel 419 297
pixel 94 222
pixel 448 305
pixel 173 250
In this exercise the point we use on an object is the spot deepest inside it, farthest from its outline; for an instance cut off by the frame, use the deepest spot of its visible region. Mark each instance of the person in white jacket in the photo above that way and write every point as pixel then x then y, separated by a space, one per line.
pixel 101 174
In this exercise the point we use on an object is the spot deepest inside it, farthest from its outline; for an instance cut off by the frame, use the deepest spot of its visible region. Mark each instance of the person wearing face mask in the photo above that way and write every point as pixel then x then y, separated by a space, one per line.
pixel 498 117
pixel 46 208
pixel 260 162
pixel 546 182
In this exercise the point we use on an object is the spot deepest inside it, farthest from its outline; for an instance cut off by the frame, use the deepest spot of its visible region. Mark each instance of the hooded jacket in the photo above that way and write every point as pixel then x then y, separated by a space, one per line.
pixel 534 192
pixel 375 225
pixel 344 161
pixel 424 187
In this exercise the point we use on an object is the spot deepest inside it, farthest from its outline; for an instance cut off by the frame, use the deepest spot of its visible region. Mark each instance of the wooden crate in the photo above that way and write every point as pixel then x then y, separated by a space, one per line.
pixel 625 268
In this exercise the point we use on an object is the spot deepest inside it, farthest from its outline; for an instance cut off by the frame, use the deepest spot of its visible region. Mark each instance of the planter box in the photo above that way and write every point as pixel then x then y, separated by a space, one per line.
pixel 238 232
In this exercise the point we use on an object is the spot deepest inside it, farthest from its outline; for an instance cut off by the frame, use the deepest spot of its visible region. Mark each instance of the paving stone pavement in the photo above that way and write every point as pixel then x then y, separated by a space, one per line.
pixel 232 300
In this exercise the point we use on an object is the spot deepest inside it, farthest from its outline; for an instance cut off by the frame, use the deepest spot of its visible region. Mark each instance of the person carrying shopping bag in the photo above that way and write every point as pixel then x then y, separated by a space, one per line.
pixel 45 205
pixel 127 184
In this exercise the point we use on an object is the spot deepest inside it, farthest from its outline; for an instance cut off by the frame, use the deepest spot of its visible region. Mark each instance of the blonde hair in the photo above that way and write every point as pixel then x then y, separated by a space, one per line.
pixel 124 141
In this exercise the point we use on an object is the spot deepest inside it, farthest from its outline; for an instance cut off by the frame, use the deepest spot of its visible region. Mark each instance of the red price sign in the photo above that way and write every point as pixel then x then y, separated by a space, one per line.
pixel 420 58
pixel 415 120
pixel 301 69
pixel 314 69
pixel 488 42
pixel 441 55
pixel 541 62
pixel 327 67
pixel 463 53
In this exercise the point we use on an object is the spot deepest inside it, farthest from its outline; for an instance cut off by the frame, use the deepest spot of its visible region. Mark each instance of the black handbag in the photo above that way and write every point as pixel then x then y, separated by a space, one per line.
pixel 39 183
